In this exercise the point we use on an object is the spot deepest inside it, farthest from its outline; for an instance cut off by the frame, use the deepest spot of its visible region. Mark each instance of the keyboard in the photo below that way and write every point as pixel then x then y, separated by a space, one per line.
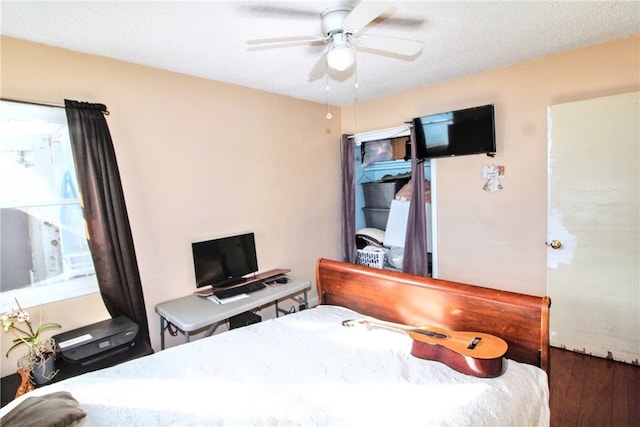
pixel 237 290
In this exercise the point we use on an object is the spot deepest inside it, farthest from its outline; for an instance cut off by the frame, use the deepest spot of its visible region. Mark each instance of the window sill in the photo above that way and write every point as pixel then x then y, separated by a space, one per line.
pixel 44 294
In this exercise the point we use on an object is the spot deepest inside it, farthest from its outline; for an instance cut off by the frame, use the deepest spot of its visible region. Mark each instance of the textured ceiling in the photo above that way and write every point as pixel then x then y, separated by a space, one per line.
pixel 208 38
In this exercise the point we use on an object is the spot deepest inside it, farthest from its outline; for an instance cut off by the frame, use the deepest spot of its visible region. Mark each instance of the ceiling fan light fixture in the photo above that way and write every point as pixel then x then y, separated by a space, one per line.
pixel 341 57
pixel 342 30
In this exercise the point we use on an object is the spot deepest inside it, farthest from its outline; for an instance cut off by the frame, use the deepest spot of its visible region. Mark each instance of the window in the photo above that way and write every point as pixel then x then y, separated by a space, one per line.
pixel 44 255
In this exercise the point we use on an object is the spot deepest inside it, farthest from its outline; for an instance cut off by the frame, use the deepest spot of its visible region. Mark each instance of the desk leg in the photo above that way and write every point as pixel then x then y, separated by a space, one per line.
pixel 306 304
pixel 212 329
pixel 186 336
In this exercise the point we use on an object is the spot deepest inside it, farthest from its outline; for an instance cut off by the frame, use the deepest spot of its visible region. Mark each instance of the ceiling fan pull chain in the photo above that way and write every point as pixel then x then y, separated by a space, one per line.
pixel 355 73
pixel 329 116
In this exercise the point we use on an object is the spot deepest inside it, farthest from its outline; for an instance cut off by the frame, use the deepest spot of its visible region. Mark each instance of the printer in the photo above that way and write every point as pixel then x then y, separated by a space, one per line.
pixel 95 342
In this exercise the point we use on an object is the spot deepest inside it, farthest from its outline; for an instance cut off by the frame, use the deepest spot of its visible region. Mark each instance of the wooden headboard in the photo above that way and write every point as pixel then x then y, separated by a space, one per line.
pixel 521 320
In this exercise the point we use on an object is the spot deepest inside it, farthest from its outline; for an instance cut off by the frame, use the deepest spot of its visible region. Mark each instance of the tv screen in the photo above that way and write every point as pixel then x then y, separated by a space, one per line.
pixel 456 133
pixel 224 261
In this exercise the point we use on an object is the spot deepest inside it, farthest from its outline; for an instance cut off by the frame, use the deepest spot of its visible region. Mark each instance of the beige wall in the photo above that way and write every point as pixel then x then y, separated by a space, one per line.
pixel 198 159
pixel 498 239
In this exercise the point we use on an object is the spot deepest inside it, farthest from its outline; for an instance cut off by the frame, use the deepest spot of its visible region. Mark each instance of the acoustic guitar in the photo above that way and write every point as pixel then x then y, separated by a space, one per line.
pixel 472 353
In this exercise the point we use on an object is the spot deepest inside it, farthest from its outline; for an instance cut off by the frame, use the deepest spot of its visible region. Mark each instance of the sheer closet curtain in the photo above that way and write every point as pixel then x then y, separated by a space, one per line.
pixel 415 245
pixel 349 251
pixel 105 213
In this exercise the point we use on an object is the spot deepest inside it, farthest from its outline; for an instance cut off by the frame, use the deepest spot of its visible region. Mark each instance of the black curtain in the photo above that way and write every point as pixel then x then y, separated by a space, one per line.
pixel 105 213
pixel 349 251
pixel 415 244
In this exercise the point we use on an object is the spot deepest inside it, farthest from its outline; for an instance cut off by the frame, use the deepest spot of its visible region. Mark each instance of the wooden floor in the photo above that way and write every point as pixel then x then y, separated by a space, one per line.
pixel 591 391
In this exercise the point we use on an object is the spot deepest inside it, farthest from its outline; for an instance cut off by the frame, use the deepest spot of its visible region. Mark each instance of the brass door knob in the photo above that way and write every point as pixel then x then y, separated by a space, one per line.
pixel 555 244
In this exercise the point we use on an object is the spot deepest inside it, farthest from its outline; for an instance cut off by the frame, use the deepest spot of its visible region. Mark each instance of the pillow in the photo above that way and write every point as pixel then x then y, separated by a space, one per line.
pixel 370 236
pixel 57 409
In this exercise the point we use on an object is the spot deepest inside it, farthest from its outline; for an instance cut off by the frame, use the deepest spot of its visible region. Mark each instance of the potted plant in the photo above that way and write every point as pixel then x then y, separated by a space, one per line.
pixel 40 357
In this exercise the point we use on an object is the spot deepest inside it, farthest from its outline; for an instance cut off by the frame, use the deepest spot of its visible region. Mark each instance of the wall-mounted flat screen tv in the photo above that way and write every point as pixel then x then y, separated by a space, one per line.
pixel 456 133
pixel 224 261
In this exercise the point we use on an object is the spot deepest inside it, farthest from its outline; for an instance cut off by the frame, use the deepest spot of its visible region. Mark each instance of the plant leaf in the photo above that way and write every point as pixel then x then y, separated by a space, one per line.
pixel 46 326
pixel 14 346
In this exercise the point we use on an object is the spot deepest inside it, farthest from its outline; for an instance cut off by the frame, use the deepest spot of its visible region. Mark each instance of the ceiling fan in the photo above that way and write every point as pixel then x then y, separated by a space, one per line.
pixel 343 31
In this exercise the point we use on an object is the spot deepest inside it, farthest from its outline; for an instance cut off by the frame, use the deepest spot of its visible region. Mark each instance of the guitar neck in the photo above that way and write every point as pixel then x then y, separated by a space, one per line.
pixel 385 324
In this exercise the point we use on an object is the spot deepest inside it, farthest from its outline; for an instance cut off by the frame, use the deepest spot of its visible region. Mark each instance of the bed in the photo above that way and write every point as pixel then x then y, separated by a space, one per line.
pixel 309 369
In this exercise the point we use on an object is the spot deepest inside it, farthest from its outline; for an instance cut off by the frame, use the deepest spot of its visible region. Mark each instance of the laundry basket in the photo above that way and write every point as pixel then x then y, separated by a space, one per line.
pixel 371 257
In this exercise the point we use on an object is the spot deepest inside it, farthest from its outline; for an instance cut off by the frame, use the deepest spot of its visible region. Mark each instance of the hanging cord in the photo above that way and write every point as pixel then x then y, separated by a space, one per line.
pixel 173 331
pixel 329 116
pixel 355 96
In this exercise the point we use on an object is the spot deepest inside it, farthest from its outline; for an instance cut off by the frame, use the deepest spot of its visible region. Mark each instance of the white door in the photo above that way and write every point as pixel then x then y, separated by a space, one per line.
pixel 593 256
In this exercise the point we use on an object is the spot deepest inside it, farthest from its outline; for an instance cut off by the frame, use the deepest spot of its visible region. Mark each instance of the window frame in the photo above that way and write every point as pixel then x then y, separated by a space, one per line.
pixel 65 287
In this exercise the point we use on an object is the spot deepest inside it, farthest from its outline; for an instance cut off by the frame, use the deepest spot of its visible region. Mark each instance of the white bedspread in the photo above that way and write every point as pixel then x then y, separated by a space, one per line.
pixel 303 369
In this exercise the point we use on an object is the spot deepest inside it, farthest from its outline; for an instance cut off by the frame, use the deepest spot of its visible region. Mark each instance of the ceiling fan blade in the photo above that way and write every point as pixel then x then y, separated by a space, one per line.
pixel 320 69
pixel 281 11
pixel 400 46
pixel 299 39
pixel 365 12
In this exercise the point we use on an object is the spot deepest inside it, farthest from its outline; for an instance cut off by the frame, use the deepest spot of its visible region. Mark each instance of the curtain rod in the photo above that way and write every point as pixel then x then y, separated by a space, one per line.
pixel 378 134
pixel 42 104
pixel 407 126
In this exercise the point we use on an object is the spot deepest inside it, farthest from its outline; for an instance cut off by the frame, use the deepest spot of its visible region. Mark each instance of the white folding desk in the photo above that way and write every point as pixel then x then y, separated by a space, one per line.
pixel 193 312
